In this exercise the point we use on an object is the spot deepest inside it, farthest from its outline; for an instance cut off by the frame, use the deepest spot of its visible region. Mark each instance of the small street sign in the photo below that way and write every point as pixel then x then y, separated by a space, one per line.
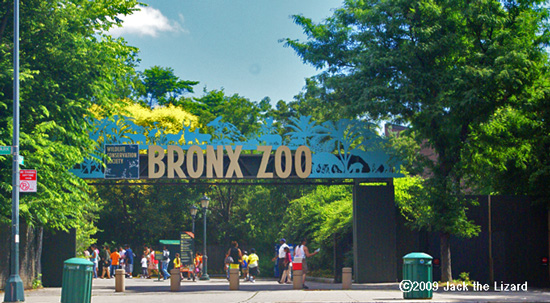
pixel 5 150
pixel 21 160
pixel 27 180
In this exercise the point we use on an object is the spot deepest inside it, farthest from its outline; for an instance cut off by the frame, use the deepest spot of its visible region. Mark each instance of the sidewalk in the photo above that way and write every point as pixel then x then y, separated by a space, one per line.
pixel 217 290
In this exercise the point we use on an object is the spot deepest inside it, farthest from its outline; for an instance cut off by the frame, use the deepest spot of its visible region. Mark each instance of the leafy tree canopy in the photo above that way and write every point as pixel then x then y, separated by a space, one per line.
pixel 237 110
pixel 160 85
pixel 68 64
pixel 444 67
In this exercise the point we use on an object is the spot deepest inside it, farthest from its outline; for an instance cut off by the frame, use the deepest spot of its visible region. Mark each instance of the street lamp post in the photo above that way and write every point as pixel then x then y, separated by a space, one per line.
pixel 193 209
pixel 204 204
pixel 14 285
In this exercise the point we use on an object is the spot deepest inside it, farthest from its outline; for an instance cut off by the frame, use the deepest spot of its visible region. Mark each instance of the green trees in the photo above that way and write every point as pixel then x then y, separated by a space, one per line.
pixel 68 65
pixel 160 85
pixel 325 217
pixel 444 67
pixel 237 110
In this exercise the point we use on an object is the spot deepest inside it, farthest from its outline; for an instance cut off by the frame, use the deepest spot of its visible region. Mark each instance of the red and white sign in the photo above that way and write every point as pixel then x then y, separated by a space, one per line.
pixel 27 180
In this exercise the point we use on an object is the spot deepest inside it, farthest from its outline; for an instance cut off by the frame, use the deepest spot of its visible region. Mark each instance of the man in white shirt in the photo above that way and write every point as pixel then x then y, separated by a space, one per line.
pixel 281 258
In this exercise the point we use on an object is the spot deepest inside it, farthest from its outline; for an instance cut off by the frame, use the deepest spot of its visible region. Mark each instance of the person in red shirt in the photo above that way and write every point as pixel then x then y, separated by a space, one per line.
pixel 286 273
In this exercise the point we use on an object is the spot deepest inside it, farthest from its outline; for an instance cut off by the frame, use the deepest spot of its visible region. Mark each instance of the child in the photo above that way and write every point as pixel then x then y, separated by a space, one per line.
pixel 244 266
pixel 228 260
pixel 177 264
pixel 253 269
pixel 144 273
pixel 198 266
pixel 286 274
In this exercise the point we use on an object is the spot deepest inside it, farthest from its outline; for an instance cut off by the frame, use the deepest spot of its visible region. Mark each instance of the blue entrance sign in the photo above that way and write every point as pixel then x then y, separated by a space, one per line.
pixel 340 149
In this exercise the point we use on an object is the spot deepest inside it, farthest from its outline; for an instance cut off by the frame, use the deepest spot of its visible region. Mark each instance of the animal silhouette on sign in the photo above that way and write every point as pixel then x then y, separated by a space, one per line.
pixel 378 160
pixel 326 164
pixel 195 137
pixel 356 168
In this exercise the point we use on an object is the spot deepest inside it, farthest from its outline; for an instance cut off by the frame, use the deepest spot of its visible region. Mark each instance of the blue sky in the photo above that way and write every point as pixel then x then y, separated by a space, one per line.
pixel 230 44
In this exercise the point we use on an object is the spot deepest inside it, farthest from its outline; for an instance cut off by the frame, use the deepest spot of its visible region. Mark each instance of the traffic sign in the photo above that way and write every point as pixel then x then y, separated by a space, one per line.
pixel 5 150
pixel 27 180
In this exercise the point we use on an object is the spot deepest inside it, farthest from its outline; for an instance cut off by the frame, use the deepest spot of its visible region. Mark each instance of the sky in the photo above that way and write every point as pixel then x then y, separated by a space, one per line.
pixel 229 44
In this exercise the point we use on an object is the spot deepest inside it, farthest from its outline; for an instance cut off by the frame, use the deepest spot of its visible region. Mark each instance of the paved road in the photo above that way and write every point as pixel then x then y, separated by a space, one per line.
pixel 217 290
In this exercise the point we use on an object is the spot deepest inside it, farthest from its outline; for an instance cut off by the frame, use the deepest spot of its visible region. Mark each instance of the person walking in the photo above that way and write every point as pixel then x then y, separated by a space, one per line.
pixel 286 273
pixel 152 264
pixel 177 264
pixel 280 257
pixel 105 262
pixel 129 260
pixel 301 251
pixel 144 268
pixel 235 254
pixel 94 257
pixel 244 266
pixel 198 266
pixel 253 266
pixel 165 262
pixel 115 262
pixel 122 260
pixel 226 263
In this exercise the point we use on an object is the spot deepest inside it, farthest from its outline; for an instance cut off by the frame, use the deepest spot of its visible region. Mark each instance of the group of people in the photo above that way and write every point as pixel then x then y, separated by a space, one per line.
pixel 107 261
pixel 247 264
pixel 284 261
pixel 193 270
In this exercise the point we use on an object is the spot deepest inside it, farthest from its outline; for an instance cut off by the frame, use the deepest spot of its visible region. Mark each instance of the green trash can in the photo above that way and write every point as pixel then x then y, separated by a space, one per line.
pixel 77 281
pixel 417 276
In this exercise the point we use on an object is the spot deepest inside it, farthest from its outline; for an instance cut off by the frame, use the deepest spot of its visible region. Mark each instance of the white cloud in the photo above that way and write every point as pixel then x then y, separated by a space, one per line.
pixel 147 21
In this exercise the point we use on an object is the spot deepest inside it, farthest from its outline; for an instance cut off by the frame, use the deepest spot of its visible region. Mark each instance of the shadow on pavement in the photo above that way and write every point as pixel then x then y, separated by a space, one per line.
pixel 148 286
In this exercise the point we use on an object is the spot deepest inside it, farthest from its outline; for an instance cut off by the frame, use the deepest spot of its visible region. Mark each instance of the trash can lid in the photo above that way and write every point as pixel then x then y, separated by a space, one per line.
pixel 417 255
pixel 78 261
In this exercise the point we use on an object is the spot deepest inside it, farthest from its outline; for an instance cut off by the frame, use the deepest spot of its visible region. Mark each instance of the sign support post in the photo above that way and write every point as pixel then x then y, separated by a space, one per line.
pixel 14 286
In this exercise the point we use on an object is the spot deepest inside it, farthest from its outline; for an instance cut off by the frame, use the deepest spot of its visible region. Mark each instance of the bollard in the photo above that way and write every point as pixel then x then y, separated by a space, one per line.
pixel 119 280
pixel 175 279
pixel 346 278
pixel 297 276
pixel 233 279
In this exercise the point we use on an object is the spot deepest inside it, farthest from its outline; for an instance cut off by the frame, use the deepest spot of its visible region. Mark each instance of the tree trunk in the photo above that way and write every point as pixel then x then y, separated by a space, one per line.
pixel 445 250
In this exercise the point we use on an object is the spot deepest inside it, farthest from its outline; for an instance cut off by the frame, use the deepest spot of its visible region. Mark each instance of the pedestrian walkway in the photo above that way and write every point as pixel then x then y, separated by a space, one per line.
pixel 217 290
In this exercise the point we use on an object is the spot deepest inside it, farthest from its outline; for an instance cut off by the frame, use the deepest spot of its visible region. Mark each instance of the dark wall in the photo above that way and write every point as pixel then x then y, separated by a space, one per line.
pixel 57 247
pixel 519 241
pixel 374 233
